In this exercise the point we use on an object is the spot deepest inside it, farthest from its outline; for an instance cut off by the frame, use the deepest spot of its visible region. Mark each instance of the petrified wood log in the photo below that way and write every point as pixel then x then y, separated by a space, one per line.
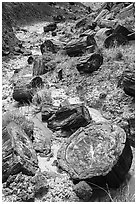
pixel 50 46
pixel 47 111
pixel 129 82
pixel 36 82
pixel 23 94
pixel 89 63
pixel 42 65
pixel 95 151
pixel 50 27
pixel 77 47
pixel 69 118
pixel 116 39
pixel 123 30
pixel 17 152
pixel 25 88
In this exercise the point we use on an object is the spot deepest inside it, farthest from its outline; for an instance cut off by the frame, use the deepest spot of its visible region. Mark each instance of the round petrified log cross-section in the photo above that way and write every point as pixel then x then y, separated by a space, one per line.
pixel 92 151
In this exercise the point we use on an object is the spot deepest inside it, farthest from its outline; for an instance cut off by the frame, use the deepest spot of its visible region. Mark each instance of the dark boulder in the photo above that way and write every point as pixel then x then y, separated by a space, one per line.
pixel 128 82
pixel 95 153
pixel 36 82
pixel 50 27
pixel 30 60
pixel 83 191
pixel 114 40
pixel 49 46
pixel 25 89
pixel 118 173
pixel 77 47
pixel 60 75
pixel 54 33
pixel 122 30
pixel 89 63
pixel 18 154
pixel 69 118
pixel 23 94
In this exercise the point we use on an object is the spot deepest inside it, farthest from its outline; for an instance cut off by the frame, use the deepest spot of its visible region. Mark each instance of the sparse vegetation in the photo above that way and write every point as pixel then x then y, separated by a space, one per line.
pixel 101 90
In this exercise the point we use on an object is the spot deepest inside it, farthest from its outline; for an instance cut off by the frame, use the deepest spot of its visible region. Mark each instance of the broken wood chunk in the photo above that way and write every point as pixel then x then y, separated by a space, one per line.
pixel 77 47
pixel 69 118
pixel 89 63
pixel 18 154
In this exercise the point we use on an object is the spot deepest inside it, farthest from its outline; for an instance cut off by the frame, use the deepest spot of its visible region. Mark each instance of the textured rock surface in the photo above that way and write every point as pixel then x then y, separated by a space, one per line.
pixel 122 30
pixel 92 151
pixel 42 65
pixel 50 27
pixel 77 47
pixel 17 152
pixel 50 46
pixel 19 119
pixel 19 188
pixel 68 118
pixel 81 22
pixel 23 94
pixel 129 82
pixel 83 191
pixel 116 39
pixel 47 111
pixel 40 184
pixel 89 63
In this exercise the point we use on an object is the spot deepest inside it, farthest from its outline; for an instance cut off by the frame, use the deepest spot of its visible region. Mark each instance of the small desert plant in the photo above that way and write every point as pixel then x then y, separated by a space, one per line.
pixel 20 120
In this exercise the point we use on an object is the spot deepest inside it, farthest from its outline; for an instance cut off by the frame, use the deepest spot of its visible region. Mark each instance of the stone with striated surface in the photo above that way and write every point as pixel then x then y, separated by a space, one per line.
pixel 18 154
pixel 129 82
pixel 69 117
pixel 23 94
pixel 77 47
pixel 42 65
pixel 89 63
pixel 93 151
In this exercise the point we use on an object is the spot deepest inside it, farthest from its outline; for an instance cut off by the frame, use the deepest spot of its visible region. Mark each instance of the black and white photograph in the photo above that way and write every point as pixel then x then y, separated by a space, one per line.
pixel 68 101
